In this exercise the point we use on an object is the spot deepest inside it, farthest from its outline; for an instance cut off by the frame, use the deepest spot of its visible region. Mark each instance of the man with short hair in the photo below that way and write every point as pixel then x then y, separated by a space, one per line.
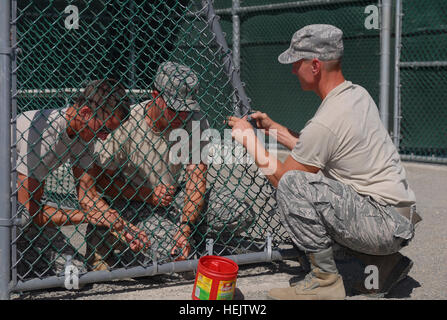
pixel 140 177
pixel 46 139
pixel 343 181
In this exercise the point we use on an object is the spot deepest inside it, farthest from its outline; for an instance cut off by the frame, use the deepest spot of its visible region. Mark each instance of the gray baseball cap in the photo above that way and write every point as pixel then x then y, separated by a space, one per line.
pixel 178 86
pixel 321 41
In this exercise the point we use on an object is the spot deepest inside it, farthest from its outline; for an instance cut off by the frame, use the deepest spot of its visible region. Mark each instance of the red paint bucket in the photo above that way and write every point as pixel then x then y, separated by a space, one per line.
pixel 215 279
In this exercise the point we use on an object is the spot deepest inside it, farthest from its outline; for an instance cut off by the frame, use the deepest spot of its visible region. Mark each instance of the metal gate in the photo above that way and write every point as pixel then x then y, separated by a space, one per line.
pixel 47 51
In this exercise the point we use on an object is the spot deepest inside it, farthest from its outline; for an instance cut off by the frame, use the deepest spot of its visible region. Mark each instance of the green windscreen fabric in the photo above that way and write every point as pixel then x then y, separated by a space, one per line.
pixel 266 33
pixel 424 89
pixel 128 41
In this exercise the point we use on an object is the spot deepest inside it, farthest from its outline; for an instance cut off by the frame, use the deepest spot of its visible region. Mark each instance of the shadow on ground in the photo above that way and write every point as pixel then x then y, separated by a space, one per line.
pixel 350 269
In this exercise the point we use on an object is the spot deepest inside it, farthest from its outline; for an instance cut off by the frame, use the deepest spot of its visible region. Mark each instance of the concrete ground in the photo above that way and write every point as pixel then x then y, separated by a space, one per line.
pixel 426 280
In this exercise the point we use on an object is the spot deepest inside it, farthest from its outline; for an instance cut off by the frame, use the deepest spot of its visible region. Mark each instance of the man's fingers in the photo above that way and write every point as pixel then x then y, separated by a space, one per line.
pixel 160 190
pixel 143 237
pixel 163 190
pixel 172 190
pixel 258 115
pixel 118 225
pixel 164 201
pixel 128 236
pixel 136 245
pixel 180 251
pixel 167 196
pixel 185 252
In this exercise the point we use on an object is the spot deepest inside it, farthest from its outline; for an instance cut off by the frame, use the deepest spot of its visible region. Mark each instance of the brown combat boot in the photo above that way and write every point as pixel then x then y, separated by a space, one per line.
pixel 322 283
pixel 98 264
pixel 391 270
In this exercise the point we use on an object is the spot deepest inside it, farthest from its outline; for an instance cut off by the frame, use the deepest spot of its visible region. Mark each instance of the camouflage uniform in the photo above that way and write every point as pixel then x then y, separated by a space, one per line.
pixel 223 218
pixel 316 211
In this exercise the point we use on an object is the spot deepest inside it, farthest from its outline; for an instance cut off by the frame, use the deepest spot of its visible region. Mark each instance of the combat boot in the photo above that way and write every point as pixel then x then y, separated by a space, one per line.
pixel 391 270
pixel 322 283
pixel 304 268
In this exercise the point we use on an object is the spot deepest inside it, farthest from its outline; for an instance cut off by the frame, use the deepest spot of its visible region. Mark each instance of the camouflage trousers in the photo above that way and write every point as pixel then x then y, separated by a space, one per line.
pixel 224 218
pixel 317 211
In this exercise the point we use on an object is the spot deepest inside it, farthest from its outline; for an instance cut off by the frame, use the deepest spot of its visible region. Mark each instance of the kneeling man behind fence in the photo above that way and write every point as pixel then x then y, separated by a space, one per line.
pixel 143 183
pixel 46 139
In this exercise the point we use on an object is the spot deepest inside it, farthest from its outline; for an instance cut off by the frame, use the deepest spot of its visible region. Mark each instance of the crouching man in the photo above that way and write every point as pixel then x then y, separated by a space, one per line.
pixel 343 181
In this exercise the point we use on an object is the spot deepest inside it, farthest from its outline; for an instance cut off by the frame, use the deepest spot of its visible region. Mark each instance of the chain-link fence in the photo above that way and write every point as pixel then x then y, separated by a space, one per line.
pixel 266 28
pixel 121 204
pixel 98 196
pixel 421 70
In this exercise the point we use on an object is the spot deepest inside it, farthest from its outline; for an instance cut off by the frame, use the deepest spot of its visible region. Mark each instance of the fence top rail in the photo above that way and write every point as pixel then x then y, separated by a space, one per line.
pixel 280 6
pixel 422 64
pixel 64 91
pixel 431 159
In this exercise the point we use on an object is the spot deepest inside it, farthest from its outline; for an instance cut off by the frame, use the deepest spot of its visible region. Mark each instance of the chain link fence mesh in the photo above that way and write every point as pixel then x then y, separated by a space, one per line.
pixel 266 32
pixel 423 73
pixel 128 41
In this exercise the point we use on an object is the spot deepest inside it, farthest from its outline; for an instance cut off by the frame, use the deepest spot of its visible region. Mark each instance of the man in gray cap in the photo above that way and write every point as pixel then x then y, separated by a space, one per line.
pixel 140 178
pixel 343 181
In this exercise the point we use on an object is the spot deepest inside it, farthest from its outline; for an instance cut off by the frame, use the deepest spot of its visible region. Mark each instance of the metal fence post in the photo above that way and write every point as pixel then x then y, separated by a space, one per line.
pixel 236 40
pixel 385 35
pixel 396 125
pixel 236 35
pixel 132 50
pixel 13 175
pixel 5 146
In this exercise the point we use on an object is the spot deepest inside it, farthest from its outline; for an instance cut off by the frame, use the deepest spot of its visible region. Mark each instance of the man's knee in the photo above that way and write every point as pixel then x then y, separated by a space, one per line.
pixel 288 179
pixel 292 184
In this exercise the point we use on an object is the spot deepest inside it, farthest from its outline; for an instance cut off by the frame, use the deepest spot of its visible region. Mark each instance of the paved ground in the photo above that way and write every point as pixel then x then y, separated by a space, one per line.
pixel 428 250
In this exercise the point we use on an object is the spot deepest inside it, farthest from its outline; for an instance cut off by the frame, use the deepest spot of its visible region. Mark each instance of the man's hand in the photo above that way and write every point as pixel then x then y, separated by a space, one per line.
pixel 242 130
pixel 182 248
pixel 283 135
pixel 162 195
pixel 263 121
pixel 136 238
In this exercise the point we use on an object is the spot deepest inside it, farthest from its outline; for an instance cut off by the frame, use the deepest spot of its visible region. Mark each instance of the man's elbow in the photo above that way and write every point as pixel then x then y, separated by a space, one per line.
pixel 40 219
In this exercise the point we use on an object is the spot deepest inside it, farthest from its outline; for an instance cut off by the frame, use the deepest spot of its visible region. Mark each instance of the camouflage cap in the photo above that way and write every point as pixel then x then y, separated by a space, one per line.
pixel 321 41
pixel 178 86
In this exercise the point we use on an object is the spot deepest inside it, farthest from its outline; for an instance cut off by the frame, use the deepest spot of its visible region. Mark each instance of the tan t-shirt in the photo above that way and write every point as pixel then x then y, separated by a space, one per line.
pixel 138 152
pixel 347 141
pixel 43 144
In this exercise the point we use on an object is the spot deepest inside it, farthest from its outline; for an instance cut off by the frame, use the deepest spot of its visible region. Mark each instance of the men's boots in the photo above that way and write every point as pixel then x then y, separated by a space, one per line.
pixel 322 283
